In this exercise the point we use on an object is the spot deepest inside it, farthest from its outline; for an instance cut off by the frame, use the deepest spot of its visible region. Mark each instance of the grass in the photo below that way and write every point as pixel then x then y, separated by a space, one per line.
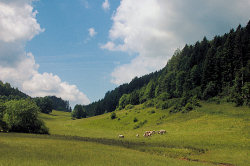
pixel 30 150
pixel 209 135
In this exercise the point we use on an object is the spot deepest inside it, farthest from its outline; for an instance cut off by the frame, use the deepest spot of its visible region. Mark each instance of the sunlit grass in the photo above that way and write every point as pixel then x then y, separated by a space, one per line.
pixel 30 150
pixel 220 132
pixel 211 134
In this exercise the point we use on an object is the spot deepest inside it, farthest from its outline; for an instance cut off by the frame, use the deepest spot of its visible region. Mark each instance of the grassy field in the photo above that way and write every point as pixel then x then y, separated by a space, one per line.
pixel 210 135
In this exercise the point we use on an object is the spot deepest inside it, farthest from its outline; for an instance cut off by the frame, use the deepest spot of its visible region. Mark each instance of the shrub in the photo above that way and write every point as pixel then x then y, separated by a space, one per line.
pixel 140 124
pixel 22 116
pixel 151 112
pixel 195 102
pixel 188 107
pixel 135 119
pixel 214 100
pixel 113 115
pixel 149 103
pixel 175 109
pixel 128 107
pixel 164 106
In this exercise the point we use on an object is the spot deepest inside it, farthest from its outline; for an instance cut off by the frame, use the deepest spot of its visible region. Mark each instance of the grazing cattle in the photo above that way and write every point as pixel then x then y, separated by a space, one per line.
pixel 148 133
pixel 121 136
pixel 162 132
pixel 137 135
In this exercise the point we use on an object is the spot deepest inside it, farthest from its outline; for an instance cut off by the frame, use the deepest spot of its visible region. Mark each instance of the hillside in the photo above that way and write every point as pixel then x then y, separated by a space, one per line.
pixel 7 92
pixel 19 112
pixel 211 134
pixel 218 68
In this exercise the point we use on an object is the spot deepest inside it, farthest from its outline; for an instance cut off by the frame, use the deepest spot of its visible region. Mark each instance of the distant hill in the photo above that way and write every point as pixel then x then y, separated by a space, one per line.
pixel 208 70
pixel 59 104
pixel 9 93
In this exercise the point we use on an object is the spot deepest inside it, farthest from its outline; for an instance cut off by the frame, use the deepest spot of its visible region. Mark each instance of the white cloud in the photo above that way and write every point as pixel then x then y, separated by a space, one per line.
pixel 92 32
pixel 153 29
pixel 138 67
pixel 106 5
pixel 18 24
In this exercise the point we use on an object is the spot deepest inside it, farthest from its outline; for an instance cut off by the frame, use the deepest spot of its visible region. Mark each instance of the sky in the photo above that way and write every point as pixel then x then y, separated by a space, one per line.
pixel 80 49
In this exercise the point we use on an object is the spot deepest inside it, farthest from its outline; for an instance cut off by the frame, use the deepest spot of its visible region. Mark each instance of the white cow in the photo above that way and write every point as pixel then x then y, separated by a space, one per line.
pixel 121 136
pixel 162 132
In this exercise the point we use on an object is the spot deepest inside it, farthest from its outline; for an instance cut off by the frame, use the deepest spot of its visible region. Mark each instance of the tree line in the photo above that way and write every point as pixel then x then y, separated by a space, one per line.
pixel 207 70
pixel 19 112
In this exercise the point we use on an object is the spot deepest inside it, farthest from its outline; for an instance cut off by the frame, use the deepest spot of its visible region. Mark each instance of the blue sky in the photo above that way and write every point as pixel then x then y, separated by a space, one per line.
pixel 80 49
pixel 66 49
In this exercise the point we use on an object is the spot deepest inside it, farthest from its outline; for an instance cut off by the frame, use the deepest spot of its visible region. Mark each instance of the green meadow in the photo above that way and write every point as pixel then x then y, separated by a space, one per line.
pixel 210 135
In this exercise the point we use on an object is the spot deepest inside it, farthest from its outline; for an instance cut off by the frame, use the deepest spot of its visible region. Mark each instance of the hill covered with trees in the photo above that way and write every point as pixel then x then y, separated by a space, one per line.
pixel 7 92
pixel 216 70
pixel 19 112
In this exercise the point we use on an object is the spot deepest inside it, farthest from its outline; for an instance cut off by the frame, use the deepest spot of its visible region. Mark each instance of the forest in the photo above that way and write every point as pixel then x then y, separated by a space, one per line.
pixel 19 112
pixel 216 70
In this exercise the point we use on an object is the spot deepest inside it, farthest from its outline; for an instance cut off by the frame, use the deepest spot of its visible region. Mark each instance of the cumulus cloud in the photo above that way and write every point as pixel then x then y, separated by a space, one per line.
pixel 18 25
pixel 139 66
pixel 105 5
pixel 153 29
pixel 17 21
pixel 92 32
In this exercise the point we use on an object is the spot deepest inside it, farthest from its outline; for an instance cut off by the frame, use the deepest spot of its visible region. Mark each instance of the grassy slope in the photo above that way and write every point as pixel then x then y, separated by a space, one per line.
pixel 212 133
pixel 35 150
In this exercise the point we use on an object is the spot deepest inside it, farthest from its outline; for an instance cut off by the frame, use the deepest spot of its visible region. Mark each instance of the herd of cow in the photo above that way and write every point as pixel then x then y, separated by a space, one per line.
pixel 147 133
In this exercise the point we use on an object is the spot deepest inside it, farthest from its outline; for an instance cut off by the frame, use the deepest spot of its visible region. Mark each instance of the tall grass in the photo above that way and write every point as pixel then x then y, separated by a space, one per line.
pixel 30 150
pixel 214 133
pixel 210 135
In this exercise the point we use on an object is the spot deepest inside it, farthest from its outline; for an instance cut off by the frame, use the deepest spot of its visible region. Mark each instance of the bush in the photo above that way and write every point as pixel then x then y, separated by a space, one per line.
pixel 151 112
pixel 164 106
pixel 195 102
pixel 22 116
pixel 140 124
pixel 128 107
pixel 175 109
pixel 188 107
pixel 214 100
pixel 113 115
pixel 149 103
pixel 135 119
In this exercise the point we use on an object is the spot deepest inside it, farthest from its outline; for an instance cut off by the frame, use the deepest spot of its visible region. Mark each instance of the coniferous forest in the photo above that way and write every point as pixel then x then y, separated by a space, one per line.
pixel 216 70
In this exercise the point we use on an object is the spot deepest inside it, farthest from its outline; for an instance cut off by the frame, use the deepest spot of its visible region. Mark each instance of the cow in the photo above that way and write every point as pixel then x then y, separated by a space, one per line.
pixel 162 132
pixel 121 136
pixel 148 133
